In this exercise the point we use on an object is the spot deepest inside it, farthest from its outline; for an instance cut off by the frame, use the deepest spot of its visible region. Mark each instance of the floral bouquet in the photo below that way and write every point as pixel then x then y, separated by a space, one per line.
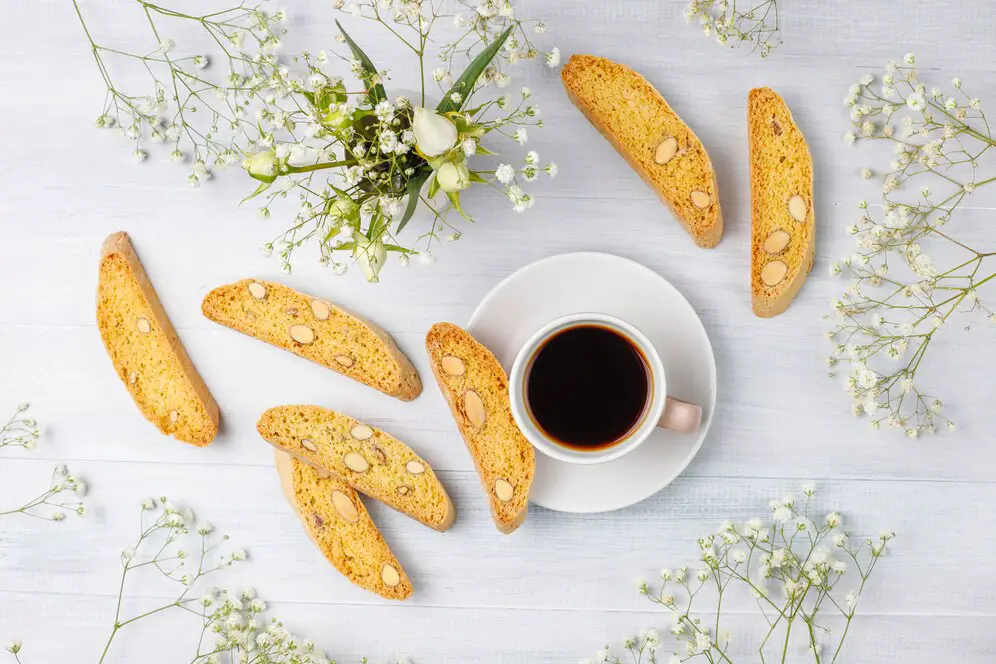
pixel 360 161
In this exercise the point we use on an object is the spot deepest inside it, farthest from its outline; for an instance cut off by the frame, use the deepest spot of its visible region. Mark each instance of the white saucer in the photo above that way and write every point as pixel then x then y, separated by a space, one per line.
pixel 571 283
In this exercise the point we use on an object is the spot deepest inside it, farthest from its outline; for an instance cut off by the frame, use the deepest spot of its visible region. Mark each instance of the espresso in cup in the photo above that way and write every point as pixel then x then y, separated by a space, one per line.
pixel 588 387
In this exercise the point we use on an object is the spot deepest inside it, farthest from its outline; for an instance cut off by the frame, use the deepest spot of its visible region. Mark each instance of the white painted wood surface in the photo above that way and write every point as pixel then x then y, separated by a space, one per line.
pixel 561 586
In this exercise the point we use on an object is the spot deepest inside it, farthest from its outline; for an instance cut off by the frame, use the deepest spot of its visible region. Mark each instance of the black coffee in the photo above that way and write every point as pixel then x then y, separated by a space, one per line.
pixel 588 387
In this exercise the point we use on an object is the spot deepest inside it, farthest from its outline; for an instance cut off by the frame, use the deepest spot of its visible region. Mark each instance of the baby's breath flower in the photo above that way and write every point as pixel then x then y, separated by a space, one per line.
pixel 504 173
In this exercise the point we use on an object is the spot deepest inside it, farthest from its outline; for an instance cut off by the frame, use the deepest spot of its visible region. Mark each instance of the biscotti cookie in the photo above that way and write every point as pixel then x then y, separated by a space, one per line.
pixel 145 350
pixel 338 523
pixel 662 149
pixel 317 330
pixel 368 459
pixel 476 387
pixel 783 233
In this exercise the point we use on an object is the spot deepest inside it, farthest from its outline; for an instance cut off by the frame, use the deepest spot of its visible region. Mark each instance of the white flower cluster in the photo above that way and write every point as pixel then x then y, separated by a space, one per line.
pixel 899 298
pixel 730 25
pixel 792 563
pixel 65 490
pixel 234 622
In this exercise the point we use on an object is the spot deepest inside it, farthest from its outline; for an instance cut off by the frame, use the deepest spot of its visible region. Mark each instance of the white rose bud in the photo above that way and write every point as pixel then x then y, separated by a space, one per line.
pixel 453 177
pixel 370 256
pixel 342 208
pixel 262 165
pixel 434 133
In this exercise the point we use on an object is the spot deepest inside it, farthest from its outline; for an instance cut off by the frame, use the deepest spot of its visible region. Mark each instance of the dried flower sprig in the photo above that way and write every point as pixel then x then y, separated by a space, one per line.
pixel 203 120
pixel 898 300
pixel 65 491
pixel 358 162
pixel 14 648
pixel 64 495
pixel 793 567
pixel 754 22
pixel 20 431
pixel 163 533
pixel 232 625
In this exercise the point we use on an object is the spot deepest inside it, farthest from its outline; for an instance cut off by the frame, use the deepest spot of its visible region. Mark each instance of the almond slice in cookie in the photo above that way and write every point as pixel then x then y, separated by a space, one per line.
pixel 776 242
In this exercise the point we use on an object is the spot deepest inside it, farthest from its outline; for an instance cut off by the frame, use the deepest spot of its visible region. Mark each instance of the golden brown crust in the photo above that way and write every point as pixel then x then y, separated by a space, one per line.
pixel 369 460
pixel 633 116
pixel 353 545
pixel 500 451
pixel 339 339
pixel 153 365
pixel 781 168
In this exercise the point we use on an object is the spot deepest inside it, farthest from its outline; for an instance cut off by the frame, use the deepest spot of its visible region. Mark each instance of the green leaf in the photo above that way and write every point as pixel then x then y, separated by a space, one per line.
pixel 414 187
pixel 465 84
pixel 339 191
pixel 454 197
pixel 259 190
pixel 471 112
pixel 400 250
pixel 474 177
pixel 374 90
pixel 483 150
pixel 433 187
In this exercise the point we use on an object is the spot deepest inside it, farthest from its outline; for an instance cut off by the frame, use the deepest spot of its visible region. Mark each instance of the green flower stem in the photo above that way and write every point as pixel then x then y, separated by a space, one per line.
pixel 319 167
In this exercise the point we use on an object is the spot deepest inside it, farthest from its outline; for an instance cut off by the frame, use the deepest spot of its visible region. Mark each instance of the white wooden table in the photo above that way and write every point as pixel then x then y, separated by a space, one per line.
pixel 562 585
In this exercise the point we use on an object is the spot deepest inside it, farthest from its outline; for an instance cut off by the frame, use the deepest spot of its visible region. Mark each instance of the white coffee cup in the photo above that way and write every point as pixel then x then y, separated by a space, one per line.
pixel 660 410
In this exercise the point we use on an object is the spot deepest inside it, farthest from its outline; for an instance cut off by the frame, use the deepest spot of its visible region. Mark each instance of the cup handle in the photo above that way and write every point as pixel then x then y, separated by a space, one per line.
pixel 680 416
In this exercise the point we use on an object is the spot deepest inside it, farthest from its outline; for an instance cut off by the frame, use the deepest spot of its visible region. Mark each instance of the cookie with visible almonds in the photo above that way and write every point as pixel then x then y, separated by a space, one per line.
pixel 476 387
pixel 664 151
pixel 146 351
pixel 317 330
pixel 338 523
pixel 783 228
pixel 369 460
